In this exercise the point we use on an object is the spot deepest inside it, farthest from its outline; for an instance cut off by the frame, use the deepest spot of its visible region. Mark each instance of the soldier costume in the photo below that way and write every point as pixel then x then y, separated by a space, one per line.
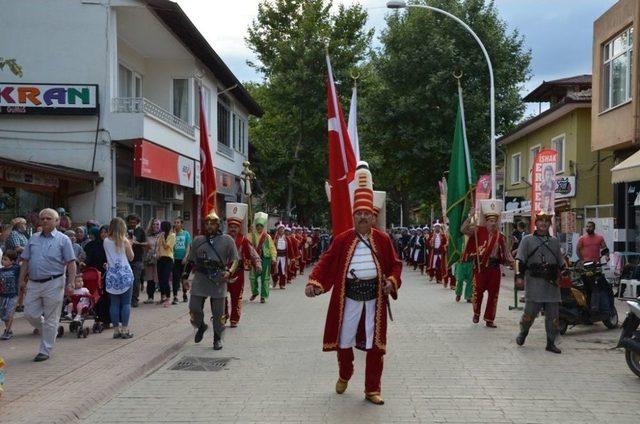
pixel 437 245
pixel 487 250
pixel 360 269
pixel 285 251
pixel 249 259
pixel 539 261
pixel 265 247
pixel 209 257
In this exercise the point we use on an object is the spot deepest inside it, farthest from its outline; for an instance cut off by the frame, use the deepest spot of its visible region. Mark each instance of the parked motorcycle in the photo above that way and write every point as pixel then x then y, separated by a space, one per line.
pixel 630 337
pixel 590 299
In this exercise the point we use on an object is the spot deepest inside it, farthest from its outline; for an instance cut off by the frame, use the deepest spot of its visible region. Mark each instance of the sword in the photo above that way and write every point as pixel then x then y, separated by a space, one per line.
pixel 386 297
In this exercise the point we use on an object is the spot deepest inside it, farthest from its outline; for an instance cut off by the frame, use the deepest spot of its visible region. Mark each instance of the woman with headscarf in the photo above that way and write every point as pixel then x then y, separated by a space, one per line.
pixel 81 236
pixel 151 258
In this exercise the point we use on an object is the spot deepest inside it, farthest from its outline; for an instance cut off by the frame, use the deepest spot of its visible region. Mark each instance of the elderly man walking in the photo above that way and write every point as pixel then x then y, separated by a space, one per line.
pixel 48 262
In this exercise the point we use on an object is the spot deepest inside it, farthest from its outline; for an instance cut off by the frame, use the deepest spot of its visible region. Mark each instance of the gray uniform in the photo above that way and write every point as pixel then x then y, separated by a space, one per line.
pixel 540 293
pixel 210 284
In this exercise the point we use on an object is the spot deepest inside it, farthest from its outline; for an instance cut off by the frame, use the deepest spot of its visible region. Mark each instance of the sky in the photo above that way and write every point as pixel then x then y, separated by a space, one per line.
pixel 558 32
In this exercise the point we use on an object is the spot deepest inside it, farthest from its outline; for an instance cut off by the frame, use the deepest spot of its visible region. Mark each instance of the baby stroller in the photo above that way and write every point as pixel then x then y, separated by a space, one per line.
pixel 93 282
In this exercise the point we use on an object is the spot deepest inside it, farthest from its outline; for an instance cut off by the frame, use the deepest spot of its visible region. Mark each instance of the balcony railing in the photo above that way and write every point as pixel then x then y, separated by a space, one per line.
pixel 142 105
pixel 225 150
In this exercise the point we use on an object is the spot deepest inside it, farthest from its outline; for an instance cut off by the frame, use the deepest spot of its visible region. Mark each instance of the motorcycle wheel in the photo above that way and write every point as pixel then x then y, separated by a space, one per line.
pixel 633 361
pixel 563 325
pixel 612 321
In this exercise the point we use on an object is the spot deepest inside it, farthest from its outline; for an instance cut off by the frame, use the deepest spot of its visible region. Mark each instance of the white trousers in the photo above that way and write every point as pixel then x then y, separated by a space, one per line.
pixel 42 307
pixel 351 319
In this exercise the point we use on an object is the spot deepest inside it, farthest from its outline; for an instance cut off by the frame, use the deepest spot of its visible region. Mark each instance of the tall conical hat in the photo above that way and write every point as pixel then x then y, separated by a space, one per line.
pixel 491 208
pixel 363 194
pixel 380 209
pixel 237 213
pixel 261 218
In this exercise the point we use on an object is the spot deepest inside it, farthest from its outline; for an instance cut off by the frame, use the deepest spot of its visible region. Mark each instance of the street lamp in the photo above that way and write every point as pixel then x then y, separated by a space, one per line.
pixel 247 176
pixel 401 4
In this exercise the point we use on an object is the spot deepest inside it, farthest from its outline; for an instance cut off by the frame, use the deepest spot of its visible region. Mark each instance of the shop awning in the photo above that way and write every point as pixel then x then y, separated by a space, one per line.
pixel 628 170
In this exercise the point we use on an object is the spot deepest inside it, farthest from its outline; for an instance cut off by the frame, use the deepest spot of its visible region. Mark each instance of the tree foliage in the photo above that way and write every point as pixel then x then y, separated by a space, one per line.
pixel 290 141
pixel 409 112
pixel 12 65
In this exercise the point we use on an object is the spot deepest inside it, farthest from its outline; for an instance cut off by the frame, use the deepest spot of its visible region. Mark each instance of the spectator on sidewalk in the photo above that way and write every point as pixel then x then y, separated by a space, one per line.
pixel 166 241
pixel 5 230
pixel 18 237
pixel 151 259
pixel 591 246
pixel 9 274
pixel 97 258
pixel 180 253
pixel 46 258
pixel 77 249
pixel 138 240
pixel 119 278
pixel 82 238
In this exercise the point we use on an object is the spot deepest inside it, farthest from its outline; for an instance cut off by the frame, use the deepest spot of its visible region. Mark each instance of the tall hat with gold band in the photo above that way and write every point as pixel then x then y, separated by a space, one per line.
pixel 363 194
pixel 261 218
pixel 380 209
pixel 237 214
pixel 490 208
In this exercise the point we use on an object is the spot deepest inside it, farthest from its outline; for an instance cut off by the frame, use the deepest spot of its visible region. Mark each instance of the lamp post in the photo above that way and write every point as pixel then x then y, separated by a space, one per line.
pixel 401 4
pixel 247 176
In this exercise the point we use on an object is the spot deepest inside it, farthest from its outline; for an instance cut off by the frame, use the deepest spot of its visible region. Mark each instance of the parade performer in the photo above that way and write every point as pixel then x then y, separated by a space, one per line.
pixel 285 256
pixel 265 247
pixel 487 249
pixel 418 250
pixel 249 259
pixel 214 258
pixel 301 240
pixel 362 268
pixel 539 262
pixel 293 263
pixel 463 275
pixel 437 265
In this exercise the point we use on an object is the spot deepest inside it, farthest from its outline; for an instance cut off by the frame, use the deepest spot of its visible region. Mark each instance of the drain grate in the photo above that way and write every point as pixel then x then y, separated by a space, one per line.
pixel 195 363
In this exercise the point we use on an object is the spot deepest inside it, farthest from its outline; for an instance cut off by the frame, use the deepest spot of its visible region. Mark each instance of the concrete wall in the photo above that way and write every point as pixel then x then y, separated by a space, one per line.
pixel 616 128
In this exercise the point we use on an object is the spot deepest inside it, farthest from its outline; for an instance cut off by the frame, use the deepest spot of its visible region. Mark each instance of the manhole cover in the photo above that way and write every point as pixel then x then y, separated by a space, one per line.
pixel 194 363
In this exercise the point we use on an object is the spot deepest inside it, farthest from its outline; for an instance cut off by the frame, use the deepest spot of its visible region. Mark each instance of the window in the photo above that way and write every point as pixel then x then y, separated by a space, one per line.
pixel 515 168
pixel 557 144
pixel 234 129
pixel 224 120
pixel 207 107
pixel 616 72
pixel 243 136
pixel 181 98
pixel 532 157
pixel 129 82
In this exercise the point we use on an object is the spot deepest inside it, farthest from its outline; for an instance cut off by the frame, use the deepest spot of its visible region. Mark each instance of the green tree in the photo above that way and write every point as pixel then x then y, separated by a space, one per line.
pixel 12 65
pixel 289 39
pixel 408 119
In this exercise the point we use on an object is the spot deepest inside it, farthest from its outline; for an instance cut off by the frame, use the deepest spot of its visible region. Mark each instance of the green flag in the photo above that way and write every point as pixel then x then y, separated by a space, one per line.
pixel 461 176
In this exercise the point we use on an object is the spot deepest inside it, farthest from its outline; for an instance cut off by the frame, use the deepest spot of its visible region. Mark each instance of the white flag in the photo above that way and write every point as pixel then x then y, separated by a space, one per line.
pixel 352 126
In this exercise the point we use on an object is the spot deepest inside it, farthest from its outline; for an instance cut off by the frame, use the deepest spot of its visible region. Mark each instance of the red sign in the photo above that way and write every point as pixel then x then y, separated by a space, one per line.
pixel 543 185
pixel 157 163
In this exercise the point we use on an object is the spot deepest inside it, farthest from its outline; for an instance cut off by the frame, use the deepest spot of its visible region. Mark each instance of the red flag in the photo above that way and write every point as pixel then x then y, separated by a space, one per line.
pixel 207 171
pixel 342 161
pixel 543 184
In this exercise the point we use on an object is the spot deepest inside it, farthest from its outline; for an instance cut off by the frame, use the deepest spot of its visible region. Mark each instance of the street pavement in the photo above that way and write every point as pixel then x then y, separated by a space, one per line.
pixel 440 368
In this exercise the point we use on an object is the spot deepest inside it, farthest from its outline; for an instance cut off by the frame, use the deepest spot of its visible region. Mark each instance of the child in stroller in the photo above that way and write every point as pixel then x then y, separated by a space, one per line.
pixel 82 300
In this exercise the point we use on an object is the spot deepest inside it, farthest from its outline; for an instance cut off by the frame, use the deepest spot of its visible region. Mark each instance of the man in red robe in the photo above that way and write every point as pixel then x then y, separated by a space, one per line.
pixel 437 246
pixel 236 215
pixel 487 249
pixel 301 241
pixel 362 268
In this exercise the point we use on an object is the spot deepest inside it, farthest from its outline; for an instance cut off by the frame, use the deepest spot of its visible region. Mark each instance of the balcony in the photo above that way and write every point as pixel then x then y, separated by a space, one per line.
pixel 142 105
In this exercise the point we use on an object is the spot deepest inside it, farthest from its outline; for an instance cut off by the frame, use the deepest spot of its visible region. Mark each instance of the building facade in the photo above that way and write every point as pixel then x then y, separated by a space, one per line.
pixel 583 177
pixel 615 112
pixel 133 71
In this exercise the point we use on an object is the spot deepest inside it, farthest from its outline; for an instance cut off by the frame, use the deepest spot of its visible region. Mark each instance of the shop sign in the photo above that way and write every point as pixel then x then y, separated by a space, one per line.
pixel 565 187
pixel 225 183
pixel 26 177
pixel 48 99
pixel 513 202
pixel 543 184
pixel 157 163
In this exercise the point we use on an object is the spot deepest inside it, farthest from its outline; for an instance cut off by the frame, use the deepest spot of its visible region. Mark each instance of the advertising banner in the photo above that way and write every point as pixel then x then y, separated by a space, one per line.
pixel 543 184
pixel 157 163
pixel 67 99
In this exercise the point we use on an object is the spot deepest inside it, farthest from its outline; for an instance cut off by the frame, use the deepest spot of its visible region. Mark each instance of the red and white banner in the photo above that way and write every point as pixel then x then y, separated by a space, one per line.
pixel 342 161
pixel 543 184
pixel 442 185
pixel 483 191
pixel 157 163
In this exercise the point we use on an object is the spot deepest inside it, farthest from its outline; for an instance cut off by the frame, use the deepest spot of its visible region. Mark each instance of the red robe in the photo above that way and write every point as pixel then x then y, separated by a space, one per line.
pixel 486 244
pixel 330 273
pixel 291 255
pixel 444 242
pixel 248 258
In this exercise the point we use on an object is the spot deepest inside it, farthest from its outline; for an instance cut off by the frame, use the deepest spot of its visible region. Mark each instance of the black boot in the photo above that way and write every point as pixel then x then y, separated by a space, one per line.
pixel 551 347
pixel 200 333
pixel 522 336
pixel 217 343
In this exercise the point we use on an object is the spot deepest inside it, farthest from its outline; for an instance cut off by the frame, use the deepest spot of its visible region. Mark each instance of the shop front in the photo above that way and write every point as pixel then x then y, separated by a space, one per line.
pixel 154 182
pixel 27 187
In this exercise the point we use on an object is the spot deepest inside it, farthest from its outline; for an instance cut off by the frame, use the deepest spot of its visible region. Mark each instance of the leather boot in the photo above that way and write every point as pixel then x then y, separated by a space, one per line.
pixel 522 336
pixel 551 347
pixel 341 386
pixel 376 399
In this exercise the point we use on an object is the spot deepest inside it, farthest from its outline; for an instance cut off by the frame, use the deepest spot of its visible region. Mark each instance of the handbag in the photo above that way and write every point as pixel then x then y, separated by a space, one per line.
pixel 151 255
